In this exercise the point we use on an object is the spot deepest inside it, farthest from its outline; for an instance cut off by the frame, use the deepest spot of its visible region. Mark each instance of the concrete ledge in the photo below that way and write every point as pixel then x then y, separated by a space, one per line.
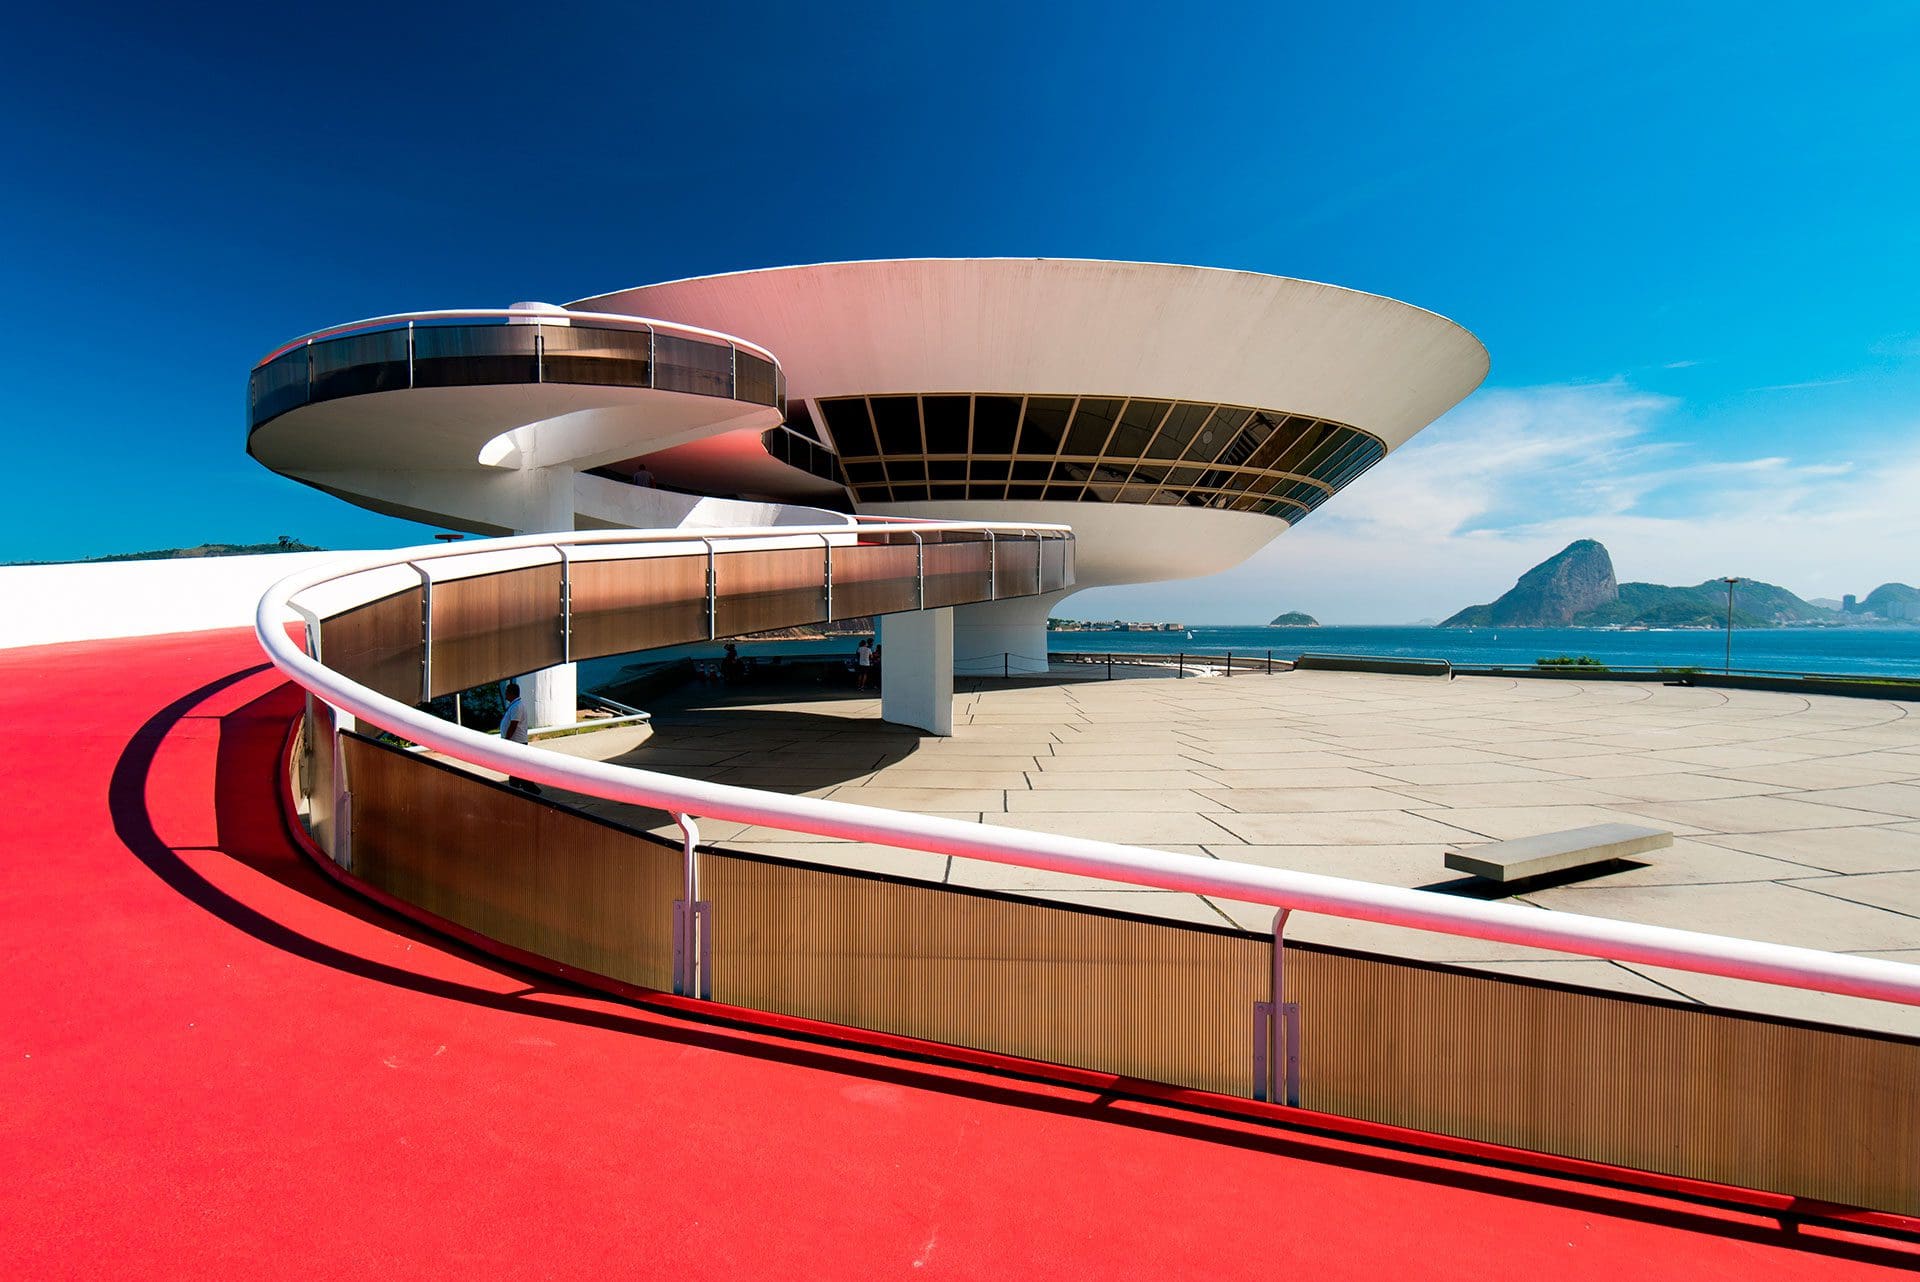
pixel 1398 665
pixel 1557 851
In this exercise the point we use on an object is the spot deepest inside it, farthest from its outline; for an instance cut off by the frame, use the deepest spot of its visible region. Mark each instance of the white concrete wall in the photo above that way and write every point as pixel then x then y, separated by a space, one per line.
pixel 917 678
pixel 48 604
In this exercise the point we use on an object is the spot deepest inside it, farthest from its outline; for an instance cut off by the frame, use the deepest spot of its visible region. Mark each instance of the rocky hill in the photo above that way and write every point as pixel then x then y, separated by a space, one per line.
pixel 1553 594
pixel 1888 601
pixel 1576 588
pixel 1294 619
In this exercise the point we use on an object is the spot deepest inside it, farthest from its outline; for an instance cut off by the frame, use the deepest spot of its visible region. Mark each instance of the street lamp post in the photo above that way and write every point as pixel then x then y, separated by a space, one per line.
pixel 1729 583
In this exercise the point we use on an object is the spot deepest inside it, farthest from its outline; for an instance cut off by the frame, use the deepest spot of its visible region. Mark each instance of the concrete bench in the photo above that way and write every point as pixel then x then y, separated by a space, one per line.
pixel 1553 852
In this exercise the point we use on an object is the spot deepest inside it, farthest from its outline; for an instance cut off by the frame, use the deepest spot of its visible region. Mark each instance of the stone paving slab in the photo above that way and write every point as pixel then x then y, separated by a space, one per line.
pixel 1797 818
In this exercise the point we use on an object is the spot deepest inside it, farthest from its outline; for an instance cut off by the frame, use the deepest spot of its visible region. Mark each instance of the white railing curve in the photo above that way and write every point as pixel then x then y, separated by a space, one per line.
pixel 1284 890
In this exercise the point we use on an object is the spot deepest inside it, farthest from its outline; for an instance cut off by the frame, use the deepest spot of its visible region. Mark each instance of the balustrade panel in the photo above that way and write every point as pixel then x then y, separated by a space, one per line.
pixel 492 626
pixel 638 604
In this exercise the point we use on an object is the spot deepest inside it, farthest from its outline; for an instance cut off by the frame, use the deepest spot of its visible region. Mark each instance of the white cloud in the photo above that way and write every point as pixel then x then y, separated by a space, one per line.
pixel 1795 387
pixel 1515 474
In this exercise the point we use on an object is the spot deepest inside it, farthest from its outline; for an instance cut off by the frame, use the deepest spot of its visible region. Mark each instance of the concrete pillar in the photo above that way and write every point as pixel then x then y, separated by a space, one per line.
pixel 997 636
pixel 551 694
pixel 917 670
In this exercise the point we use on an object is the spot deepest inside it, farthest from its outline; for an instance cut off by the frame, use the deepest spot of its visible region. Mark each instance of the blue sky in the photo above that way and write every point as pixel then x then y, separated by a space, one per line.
pixel 1687 235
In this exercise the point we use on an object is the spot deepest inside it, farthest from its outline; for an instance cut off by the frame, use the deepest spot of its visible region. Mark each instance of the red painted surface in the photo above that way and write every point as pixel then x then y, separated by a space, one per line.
pixel 213 1062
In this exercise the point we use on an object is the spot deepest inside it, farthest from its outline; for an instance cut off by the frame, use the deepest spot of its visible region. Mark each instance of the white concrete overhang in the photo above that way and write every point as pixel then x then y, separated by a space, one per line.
pixel 1085 327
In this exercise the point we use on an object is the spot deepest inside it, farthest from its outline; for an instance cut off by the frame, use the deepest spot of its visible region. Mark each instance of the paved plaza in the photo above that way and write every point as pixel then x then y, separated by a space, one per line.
pixel 1795 818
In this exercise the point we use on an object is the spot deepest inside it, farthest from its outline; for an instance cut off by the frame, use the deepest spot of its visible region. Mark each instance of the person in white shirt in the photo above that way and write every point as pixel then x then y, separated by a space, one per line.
pixel 513 728
pixel 863 661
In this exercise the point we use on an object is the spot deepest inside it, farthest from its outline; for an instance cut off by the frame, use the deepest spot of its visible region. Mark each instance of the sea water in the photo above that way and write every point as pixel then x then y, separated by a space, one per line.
pixel 1882 651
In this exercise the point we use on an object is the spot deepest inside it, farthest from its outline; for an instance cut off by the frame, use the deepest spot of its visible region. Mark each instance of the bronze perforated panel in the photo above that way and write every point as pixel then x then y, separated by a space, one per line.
pixel 495 625
pixel 1155 1000
pixel 528 875
pixel 623 606
pixel 958 573
pixel 1016 565
pixel 378 644
pixel 868 579
pixel 779 588
pixel 1819 1113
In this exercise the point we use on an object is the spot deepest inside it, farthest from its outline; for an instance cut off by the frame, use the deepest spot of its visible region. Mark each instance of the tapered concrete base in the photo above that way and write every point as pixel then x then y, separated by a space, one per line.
pixel 1003 637
pixel 917 676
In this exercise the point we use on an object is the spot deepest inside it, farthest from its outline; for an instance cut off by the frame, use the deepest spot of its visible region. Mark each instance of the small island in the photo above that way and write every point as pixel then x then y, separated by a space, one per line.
pixel 1294 619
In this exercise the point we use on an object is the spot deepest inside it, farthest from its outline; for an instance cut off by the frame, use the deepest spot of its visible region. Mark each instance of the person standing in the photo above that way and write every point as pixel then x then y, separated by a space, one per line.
pixel 863 662
pixel 513 728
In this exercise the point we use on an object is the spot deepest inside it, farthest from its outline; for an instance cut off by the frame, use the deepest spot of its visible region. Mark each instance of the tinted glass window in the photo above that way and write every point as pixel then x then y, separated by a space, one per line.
pixel 692 365
pixel 474 355
pixel 280 385
pixel 1045 424
pixel 753 378
pixel 599 356
pixel 1138 422
pixel 946 420
pixel 1092 424
pixel 995 419
pixel 852 429
pixel 897 421
pixel 1231 436
pixel 1178 430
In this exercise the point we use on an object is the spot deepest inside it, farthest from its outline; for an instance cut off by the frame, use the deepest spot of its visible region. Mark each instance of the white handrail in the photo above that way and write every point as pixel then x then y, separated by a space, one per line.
pixel 616 319
pixel 1781 964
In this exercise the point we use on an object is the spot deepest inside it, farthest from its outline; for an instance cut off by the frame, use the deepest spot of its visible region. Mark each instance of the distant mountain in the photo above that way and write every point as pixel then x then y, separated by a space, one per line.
pixel 1889 601
pixel 1576 588
pixel 1553 594
pixel 1294 619
pixel 286 543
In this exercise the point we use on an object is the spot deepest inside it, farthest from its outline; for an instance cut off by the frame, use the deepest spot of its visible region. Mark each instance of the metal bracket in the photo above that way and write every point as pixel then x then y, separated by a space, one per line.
pixel 920 569
pixel 426 630
pixel 1276 1042
pixel 827 543
pixel 692 921
pixel 713 616
pixel 566 602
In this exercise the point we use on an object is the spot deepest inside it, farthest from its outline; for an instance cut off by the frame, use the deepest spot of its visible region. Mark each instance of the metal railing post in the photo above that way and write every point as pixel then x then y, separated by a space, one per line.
pixel 566 602
pixel 993 569
pixel 1183 665
pixel 1006 665
pixel 409 355
pixel 1109 665
pixel 342 834
pixel 1229 663
pixel 920 569
pixel 827 544
pixel 692 921
pixel 1276 1032
pixel 426 630
pixel 713 610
